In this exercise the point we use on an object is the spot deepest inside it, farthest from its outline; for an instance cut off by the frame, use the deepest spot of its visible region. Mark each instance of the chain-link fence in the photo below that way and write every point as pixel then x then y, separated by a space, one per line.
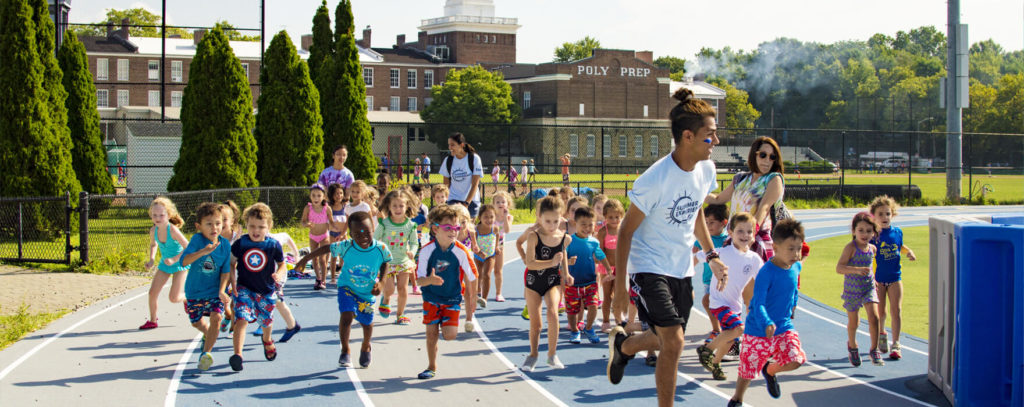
pixel 36 229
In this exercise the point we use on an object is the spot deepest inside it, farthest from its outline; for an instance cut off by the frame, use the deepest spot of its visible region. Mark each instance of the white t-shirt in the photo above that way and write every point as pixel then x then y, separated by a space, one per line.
pixel 743 267
pixel 669 198
pixel 462 180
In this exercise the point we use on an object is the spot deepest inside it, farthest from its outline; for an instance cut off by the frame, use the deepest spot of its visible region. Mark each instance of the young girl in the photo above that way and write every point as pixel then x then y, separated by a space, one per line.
pixel 373 199
pixel 358 196
pixel 486 237
pixel 503 204
pixel 495 173
pixel 465 237
pixel 888 282
pixel 398 233
pixel 547 269
pixel 569 217
pixel 316 216
pixel 608 236
pixel 858 286
pixel 417 169
pixel 598 206
pixel 166 236
pixel 336 198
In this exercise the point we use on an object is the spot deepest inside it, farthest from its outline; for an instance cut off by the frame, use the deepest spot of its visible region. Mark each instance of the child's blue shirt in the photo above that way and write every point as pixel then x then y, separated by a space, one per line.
pixel 887 259
pixel 584 270
pixel 775 296
pixel 360 267
pixel 203 281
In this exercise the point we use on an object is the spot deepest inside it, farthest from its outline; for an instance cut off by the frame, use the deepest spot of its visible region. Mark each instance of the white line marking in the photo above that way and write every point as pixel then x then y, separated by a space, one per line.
pixel 860 331
pixel 172 390
pixel 363 396
pixel 887 391
pixel 50 340
pixel 514 369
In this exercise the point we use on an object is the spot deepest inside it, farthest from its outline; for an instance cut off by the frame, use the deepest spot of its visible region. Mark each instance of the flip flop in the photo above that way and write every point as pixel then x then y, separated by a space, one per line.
pixel 269 350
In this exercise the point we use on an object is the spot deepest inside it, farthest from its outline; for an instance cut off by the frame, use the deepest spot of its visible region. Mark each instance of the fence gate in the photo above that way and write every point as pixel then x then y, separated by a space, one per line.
pixel 36 229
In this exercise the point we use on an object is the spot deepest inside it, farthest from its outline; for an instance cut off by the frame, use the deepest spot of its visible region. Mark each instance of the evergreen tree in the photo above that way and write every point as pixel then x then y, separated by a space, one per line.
pixel 323 40
pixel 288 133
pixel 60 152
pixel 348 108
pixel 217 146
pixel 89 159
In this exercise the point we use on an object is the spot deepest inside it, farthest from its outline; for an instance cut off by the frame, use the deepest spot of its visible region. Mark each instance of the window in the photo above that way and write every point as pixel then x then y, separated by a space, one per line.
pixel 410 79
pixel 102 69
pixel 176 98
pixel 581 109
pixel 645 111
pixel 154 98
pixel 102 98
pixel 368 77
pixel 245 68
pixel 426 101
pixel 369 103
pixel 574 145
pixel 622 146
pixel 441 52
pixel 638 146
pixel 396 104
pixel 122 70
pixel 591 140
pixel 654 146
pixel 527 99
pixel 122 97
pixel 713 103
pixel 394 77
pixel 428 79
pixel 412 104
pixel 485 39
pixel 494 39
pixel 410 133
pixel 176 71
pixel 421 134
pixel 606 145
pixel 154 70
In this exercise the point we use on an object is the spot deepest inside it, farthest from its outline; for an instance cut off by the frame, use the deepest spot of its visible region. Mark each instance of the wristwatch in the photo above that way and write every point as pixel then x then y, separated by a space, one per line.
pixel 710 255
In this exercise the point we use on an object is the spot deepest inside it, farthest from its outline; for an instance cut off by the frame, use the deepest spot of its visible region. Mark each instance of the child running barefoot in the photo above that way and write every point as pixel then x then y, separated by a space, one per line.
pixel 315 216
pixel 888 281
pixel 771 310
pixel 166 223
pixel 486 237
pixel 716 218
pixel 336 198
pixel 608 236
pixel 547 268
pixel 856 263
pixel 503 203
pixel 583 251
pixel 398 232
pixel 444 265
pixel 258 261
pixel 363 262
pixel 208 256
pixel 726 303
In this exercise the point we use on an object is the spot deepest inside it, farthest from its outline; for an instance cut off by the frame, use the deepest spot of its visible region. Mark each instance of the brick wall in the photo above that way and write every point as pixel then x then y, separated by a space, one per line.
pixel 139 85
pixel 382 90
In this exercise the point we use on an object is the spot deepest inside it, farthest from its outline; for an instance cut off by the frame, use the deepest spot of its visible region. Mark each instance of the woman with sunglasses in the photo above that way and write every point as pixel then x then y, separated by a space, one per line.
pixel 756 191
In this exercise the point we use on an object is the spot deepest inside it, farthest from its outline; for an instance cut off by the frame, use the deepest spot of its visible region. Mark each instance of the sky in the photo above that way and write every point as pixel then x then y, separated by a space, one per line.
pixel 667 27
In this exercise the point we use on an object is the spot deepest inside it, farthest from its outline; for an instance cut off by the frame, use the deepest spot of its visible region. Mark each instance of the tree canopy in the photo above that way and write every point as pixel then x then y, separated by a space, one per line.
pixel 137 16
pixel 676 66
pixel 89 158
pixel 739 113
pixel 572 51
pixel 471 95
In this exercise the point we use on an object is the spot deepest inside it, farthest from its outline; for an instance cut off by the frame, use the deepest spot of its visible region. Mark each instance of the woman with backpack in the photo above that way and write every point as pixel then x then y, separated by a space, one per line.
pixel 462 171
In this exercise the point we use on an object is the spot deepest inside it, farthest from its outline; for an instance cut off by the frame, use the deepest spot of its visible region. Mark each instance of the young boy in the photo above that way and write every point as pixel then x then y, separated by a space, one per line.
pixel 717 219
pixel 726 305
pixel 208 256
pixel 438 195
pixel 444 265
pixel 769 333
pixel 260 266
pixel 361 267
pixel 583 252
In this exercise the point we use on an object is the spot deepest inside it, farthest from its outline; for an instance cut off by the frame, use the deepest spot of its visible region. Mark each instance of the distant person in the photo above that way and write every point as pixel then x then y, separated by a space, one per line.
pixel 337 173
pixel 425 161
pixel 462 171
pixel 417 172
pixel 565 169
pixel 495 172
pixel 888 280
pixel 524 173
pixel 533 170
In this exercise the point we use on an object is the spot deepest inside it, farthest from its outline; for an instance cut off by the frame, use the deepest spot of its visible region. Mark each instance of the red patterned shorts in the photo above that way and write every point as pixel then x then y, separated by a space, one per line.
pixel 578 298
pixel 782 348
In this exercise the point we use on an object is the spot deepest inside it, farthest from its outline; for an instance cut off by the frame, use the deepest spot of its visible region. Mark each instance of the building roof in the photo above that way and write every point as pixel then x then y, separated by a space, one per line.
pixel 154 129
pixel 700 89
pixel 113 43
pixel 380 116
pixel 405 55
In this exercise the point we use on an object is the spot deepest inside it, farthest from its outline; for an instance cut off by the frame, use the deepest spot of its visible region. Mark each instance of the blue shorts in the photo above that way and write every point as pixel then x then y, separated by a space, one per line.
pixel 252 306
pixel 349 301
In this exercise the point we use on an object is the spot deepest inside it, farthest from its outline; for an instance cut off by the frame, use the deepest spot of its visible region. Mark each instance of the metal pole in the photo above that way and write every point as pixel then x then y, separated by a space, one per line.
pixel 83 226
pixel 21 238
pixel 263 19
pixel 910 161
pixel 508 155
pixel 408 150
pixel 67 227
pixel 954 126
pixel 163 58
pixel 602 158
pixel 842 168
pixel 970 168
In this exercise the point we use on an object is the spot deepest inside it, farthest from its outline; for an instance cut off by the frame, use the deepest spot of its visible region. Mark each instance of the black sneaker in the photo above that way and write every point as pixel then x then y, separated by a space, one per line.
pixel 772 382
pixel 734 353
pixel 734 403
pixel 236 363
pixel 344 360
pixel 364 359
pixel 616 359
pixel 651 359
pixel 289 333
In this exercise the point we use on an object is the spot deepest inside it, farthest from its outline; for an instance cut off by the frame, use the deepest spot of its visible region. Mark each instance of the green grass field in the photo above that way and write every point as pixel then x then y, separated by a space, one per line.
pixel 15 326
pixel 820 281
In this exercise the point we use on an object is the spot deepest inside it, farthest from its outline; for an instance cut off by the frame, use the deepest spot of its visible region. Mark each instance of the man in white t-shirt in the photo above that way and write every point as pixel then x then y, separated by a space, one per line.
pixel 656 239
pixel 463 180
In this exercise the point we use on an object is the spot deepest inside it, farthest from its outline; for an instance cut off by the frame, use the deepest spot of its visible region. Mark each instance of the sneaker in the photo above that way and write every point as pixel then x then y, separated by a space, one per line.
pixel 897 351
pixel 481 302
pixel 883 342
pixel 591 335
pixel 605 327
pixel 150 325
pixel 224 324
pixel 854 356
pixel 529 364
pixel 554 363
pixel 716 371
pixel 616 359
pixel 258 331
pixel 771 382
pixel 711 336
pixel 364 359
pixel 236 363
pixel 499 298
pixel 734 403
pixel 734 353
pixel 416 291
pixel 403 320
pixel 574 336
pixel 525 314
pixel 876 358
pixel 384 310
pixel 651 359
pixel 426 374
pixel 289 333
pixel 345 360
pixel 205 361
pixel 470 326
pixel 706 356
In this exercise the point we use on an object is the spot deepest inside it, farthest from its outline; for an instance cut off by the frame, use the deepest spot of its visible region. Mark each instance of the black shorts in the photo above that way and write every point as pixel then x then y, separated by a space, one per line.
pixel 540 281
pixel 661 300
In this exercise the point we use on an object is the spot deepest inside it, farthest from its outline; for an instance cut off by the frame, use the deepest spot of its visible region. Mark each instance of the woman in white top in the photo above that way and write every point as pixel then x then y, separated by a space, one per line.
pixel 461 175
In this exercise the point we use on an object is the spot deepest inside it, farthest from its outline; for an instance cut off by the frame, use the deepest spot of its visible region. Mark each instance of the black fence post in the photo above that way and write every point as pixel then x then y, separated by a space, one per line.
pixel 21 237
pixel 67 227
pixel 970 168
pixel 408 152
pixel 83 226
pixel 910 163
pixel 602 158
pixel 842 168
pixel 508 155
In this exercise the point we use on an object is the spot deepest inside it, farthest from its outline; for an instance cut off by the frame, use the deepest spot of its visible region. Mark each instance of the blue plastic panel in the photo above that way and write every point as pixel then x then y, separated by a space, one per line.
pixel 1008 219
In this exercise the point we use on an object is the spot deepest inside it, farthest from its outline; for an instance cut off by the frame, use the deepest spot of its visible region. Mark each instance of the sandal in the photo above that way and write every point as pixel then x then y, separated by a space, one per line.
pixel 269 350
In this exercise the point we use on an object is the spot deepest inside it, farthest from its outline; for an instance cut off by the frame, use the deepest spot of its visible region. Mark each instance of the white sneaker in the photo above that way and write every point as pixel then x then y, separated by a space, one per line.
pixel 554 363
pixel 481 302
pixel 470 326
pixel 529 364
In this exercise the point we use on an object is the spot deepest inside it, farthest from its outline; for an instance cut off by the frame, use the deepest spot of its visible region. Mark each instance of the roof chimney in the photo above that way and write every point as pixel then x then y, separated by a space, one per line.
pixel 646 56
pixel 110 28
pixel 125 22
pixel 365 41
pixel 422 38
pixel 306 42
pixel 400 41
pixel 197 36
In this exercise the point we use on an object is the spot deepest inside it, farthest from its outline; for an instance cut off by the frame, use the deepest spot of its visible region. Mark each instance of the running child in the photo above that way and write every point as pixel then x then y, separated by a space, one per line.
pixel 398 233
pixel 438 195
pixel 533 170
pixel 486 237
pixel 258 263
pixel 503 204
pixel 444 267
pixel 771 345
pixel 359 196
pixel 608 236
pixel 726 304
pixel 363 262
pixel 465 237
pixel 547 268
pixel 888 279
pixel 583 251
pixel 383 183
pixel 315 216
pixel 166 222
pixel 716 217
pixel 336 198
pixel 417 169
pixel 208 256
pixel 857 263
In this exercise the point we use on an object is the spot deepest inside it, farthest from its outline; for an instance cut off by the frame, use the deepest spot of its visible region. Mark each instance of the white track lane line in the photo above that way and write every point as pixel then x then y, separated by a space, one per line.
pixel 50 340
pixel 363 396
pixel 701 383
pixel 172 391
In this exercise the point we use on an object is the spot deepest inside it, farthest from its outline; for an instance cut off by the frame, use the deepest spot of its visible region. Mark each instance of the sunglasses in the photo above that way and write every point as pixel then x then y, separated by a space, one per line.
pixel 448 227
pixel 763 154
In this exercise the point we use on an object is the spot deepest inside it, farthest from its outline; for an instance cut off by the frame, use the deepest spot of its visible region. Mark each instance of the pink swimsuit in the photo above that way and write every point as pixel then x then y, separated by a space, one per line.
pixel 316 219
pixel 610 242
